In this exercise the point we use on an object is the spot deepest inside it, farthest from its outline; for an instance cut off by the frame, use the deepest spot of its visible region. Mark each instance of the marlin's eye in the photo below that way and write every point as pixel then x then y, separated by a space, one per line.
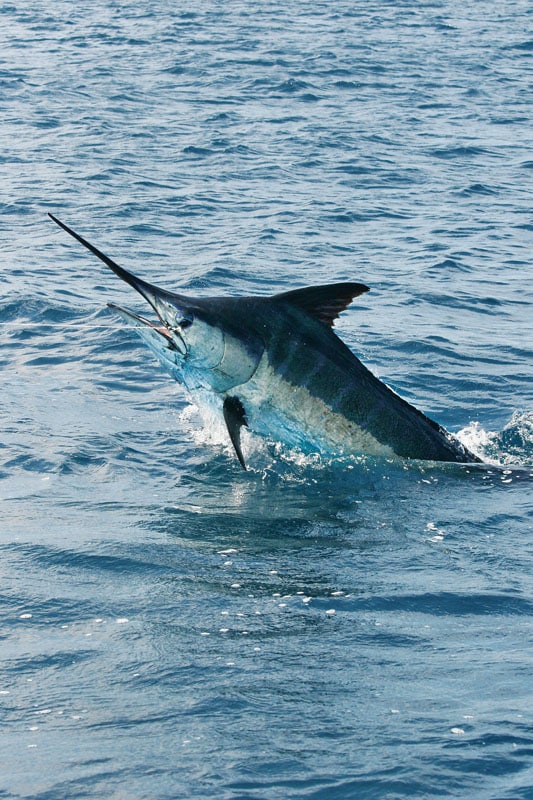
pixel 185 323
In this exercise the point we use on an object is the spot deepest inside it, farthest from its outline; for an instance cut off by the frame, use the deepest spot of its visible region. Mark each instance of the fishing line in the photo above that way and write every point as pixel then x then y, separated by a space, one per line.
pixel 24 325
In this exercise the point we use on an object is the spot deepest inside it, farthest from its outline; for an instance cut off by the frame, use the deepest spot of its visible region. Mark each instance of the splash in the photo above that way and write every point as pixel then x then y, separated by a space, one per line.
pixel 512 445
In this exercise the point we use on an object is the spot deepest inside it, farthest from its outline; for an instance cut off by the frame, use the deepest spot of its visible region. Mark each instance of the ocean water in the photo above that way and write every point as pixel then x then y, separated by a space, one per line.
pixel 172 627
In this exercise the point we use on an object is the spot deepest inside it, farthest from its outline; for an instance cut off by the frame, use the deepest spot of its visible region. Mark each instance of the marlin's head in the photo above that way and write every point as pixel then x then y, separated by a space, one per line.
pixel 195 339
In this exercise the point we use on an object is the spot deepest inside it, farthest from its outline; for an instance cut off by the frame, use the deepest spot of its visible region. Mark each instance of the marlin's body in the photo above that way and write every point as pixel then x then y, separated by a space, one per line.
pixel 275 365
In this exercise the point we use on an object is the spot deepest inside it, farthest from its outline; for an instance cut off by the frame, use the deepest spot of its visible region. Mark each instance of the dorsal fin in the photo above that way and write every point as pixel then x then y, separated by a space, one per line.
pixel 324 302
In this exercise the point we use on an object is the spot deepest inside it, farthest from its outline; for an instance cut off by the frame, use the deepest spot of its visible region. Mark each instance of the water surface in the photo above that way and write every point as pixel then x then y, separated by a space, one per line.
pixel 171 626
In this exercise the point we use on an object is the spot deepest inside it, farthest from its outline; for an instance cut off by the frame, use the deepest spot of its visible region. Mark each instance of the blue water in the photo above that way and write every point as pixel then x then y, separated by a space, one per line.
pixel 172 627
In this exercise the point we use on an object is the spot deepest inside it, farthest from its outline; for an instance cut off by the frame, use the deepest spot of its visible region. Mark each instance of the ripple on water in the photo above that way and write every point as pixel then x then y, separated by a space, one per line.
pixel 173 626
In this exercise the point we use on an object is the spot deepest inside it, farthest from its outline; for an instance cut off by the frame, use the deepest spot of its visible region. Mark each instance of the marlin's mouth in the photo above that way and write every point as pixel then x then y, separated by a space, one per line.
pixel 173 339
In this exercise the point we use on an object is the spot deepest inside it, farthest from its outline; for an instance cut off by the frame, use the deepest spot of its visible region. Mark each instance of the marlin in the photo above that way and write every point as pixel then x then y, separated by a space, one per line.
pixel 274 365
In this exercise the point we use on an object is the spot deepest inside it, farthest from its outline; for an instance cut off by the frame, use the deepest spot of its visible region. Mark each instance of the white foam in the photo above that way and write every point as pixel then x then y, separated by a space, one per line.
pixel 476 439
pixel 512 445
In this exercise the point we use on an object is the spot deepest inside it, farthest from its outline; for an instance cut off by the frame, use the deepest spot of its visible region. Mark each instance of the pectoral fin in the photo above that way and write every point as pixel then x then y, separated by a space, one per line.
pixel 235 418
